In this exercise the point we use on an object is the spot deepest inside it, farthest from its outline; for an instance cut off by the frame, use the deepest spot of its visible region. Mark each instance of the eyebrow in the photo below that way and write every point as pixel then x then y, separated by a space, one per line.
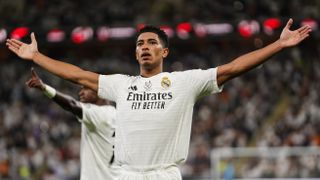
pixel 151 39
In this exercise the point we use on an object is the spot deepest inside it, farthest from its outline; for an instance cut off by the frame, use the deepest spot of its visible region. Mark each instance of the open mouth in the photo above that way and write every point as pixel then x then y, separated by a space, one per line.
pixel 145 55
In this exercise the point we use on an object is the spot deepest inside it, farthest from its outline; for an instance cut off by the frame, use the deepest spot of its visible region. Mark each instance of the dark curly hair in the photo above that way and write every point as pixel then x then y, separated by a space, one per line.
pixel 162 35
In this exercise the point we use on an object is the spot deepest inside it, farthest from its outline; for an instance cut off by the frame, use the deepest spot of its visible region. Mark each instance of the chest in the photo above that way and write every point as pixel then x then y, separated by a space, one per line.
pixel 151 93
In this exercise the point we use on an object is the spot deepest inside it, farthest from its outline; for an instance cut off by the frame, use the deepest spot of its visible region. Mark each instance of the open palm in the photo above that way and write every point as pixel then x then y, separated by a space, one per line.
pixel 23 50
pixel 290 38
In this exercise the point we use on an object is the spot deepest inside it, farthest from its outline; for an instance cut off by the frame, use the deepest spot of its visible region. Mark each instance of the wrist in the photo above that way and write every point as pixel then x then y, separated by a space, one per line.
pixel 35 56
pixel 279 44
pixel 49 91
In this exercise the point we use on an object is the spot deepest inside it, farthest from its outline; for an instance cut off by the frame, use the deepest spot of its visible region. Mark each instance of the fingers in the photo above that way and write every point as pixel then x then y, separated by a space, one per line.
pixel 13 43
pixel 304 36
pixel 305 30
pixel 28 83
pixel 34 74
pixel 13 49
pixel 17 41
pixel 32 83
pixel 289 23
pixel 33 38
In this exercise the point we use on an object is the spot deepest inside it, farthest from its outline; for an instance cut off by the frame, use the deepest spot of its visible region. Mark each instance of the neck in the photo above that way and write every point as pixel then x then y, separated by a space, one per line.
pixel 149 72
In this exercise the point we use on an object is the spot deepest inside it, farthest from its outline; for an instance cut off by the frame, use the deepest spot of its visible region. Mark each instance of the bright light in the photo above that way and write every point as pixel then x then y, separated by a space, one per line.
pixel 19 32
pixel 310 22
pixel 183 30
pixel 56 35
pixel 103 34
pixel 3 35
pixel 200 30
pixel 81 34
pixel 168 30
pixel 247 28
pixel 121 32
pixel 270 25
pixel 213 29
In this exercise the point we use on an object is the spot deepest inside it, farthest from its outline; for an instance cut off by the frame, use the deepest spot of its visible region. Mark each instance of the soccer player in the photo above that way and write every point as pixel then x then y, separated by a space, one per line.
pixel 154 109
pixel 97 128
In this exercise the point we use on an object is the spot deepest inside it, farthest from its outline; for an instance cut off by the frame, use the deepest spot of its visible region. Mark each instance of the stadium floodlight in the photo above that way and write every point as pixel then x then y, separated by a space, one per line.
pixel 120 32
pixel 183 30
pixel 271 24
pixel 103 33
pixel 311 22
pixel 202 30
pixel 168 30
pixel 80 34
pixel 19 32
pixel 248 28
pixel 56 35
pixel 3 35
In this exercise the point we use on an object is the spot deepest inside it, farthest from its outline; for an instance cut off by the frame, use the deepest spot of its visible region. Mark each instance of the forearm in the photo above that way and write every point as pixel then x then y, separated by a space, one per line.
pixel 59 68
pixel 249 61
pixel 67 71
pixel 246 62
pixel 68 103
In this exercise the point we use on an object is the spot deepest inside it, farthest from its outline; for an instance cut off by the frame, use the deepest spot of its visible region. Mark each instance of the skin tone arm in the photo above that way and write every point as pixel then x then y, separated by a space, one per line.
pixel 253 59
pixel 64 70
pixel 68 103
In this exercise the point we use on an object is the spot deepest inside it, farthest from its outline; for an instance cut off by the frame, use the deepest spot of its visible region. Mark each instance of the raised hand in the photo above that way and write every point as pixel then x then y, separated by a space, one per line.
pixel 23 50
pixel 35 81
pixel 290 38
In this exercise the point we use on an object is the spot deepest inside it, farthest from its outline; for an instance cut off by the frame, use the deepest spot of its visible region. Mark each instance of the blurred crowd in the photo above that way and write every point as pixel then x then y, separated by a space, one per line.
pixel 276 104
pixel 55 13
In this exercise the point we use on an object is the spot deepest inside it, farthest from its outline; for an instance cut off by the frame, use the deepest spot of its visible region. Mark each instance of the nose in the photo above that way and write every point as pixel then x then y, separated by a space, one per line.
pixel 145 47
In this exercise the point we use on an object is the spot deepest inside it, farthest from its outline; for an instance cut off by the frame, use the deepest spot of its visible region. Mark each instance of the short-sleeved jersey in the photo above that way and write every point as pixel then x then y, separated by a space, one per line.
pixel 154 114
pixel 97 141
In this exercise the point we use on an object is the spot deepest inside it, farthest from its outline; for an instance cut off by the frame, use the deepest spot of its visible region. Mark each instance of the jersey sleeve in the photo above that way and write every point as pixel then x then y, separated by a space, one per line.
pixel 94 116
pixel 204 82
pixel 109 85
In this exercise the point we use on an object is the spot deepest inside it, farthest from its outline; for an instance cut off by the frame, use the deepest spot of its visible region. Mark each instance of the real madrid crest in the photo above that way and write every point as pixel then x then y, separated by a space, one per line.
pixel 165 82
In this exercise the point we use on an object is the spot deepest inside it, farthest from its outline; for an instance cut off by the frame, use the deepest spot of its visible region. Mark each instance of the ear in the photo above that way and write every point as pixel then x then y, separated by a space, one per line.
pixel 165 52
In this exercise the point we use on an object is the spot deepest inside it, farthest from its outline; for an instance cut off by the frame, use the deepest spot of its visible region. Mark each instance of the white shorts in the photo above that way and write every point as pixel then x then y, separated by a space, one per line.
pixel 171 172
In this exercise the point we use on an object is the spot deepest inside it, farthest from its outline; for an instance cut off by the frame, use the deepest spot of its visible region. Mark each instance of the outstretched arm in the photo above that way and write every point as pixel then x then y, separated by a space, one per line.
pixel 59 68
pixel 66 102
pixel 253 59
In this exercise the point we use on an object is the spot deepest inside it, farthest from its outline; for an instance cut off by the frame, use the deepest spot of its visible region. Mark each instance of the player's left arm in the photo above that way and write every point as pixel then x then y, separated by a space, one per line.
pixel 253 59
pixel 65 101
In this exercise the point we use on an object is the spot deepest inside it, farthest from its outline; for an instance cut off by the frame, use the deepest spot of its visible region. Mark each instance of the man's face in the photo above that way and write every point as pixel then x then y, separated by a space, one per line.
pixel 149 50
pixel 87 95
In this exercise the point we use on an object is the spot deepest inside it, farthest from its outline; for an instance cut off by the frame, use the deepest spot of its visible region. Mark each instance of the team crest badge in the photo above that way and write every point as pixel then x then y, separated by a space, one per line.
pixel 165 82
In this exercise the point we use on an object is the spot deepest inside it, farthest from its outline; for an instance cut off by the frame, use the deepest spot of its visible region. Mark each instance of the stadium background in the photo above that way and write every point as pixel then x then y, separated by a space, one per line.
pixel 274 105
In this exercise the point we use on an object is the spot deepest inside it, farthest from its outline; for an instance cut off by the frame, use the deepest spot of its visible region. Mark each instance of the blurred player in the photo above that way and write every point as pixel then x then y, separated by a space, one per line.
pixel 97 128
pixel 154 109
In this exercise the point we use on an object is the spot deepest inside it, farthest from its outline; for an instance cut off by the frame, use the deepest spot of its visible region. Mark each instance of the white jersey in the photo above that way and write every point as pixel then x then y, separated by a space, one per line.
pixel 154 114
pixel 97 141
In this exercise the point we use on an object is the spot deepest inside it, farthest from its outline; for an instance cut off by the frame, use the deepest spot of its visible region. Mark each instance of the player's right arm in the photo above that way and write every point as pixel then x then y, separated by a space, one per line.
pixel 66 102
pixel 59 68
